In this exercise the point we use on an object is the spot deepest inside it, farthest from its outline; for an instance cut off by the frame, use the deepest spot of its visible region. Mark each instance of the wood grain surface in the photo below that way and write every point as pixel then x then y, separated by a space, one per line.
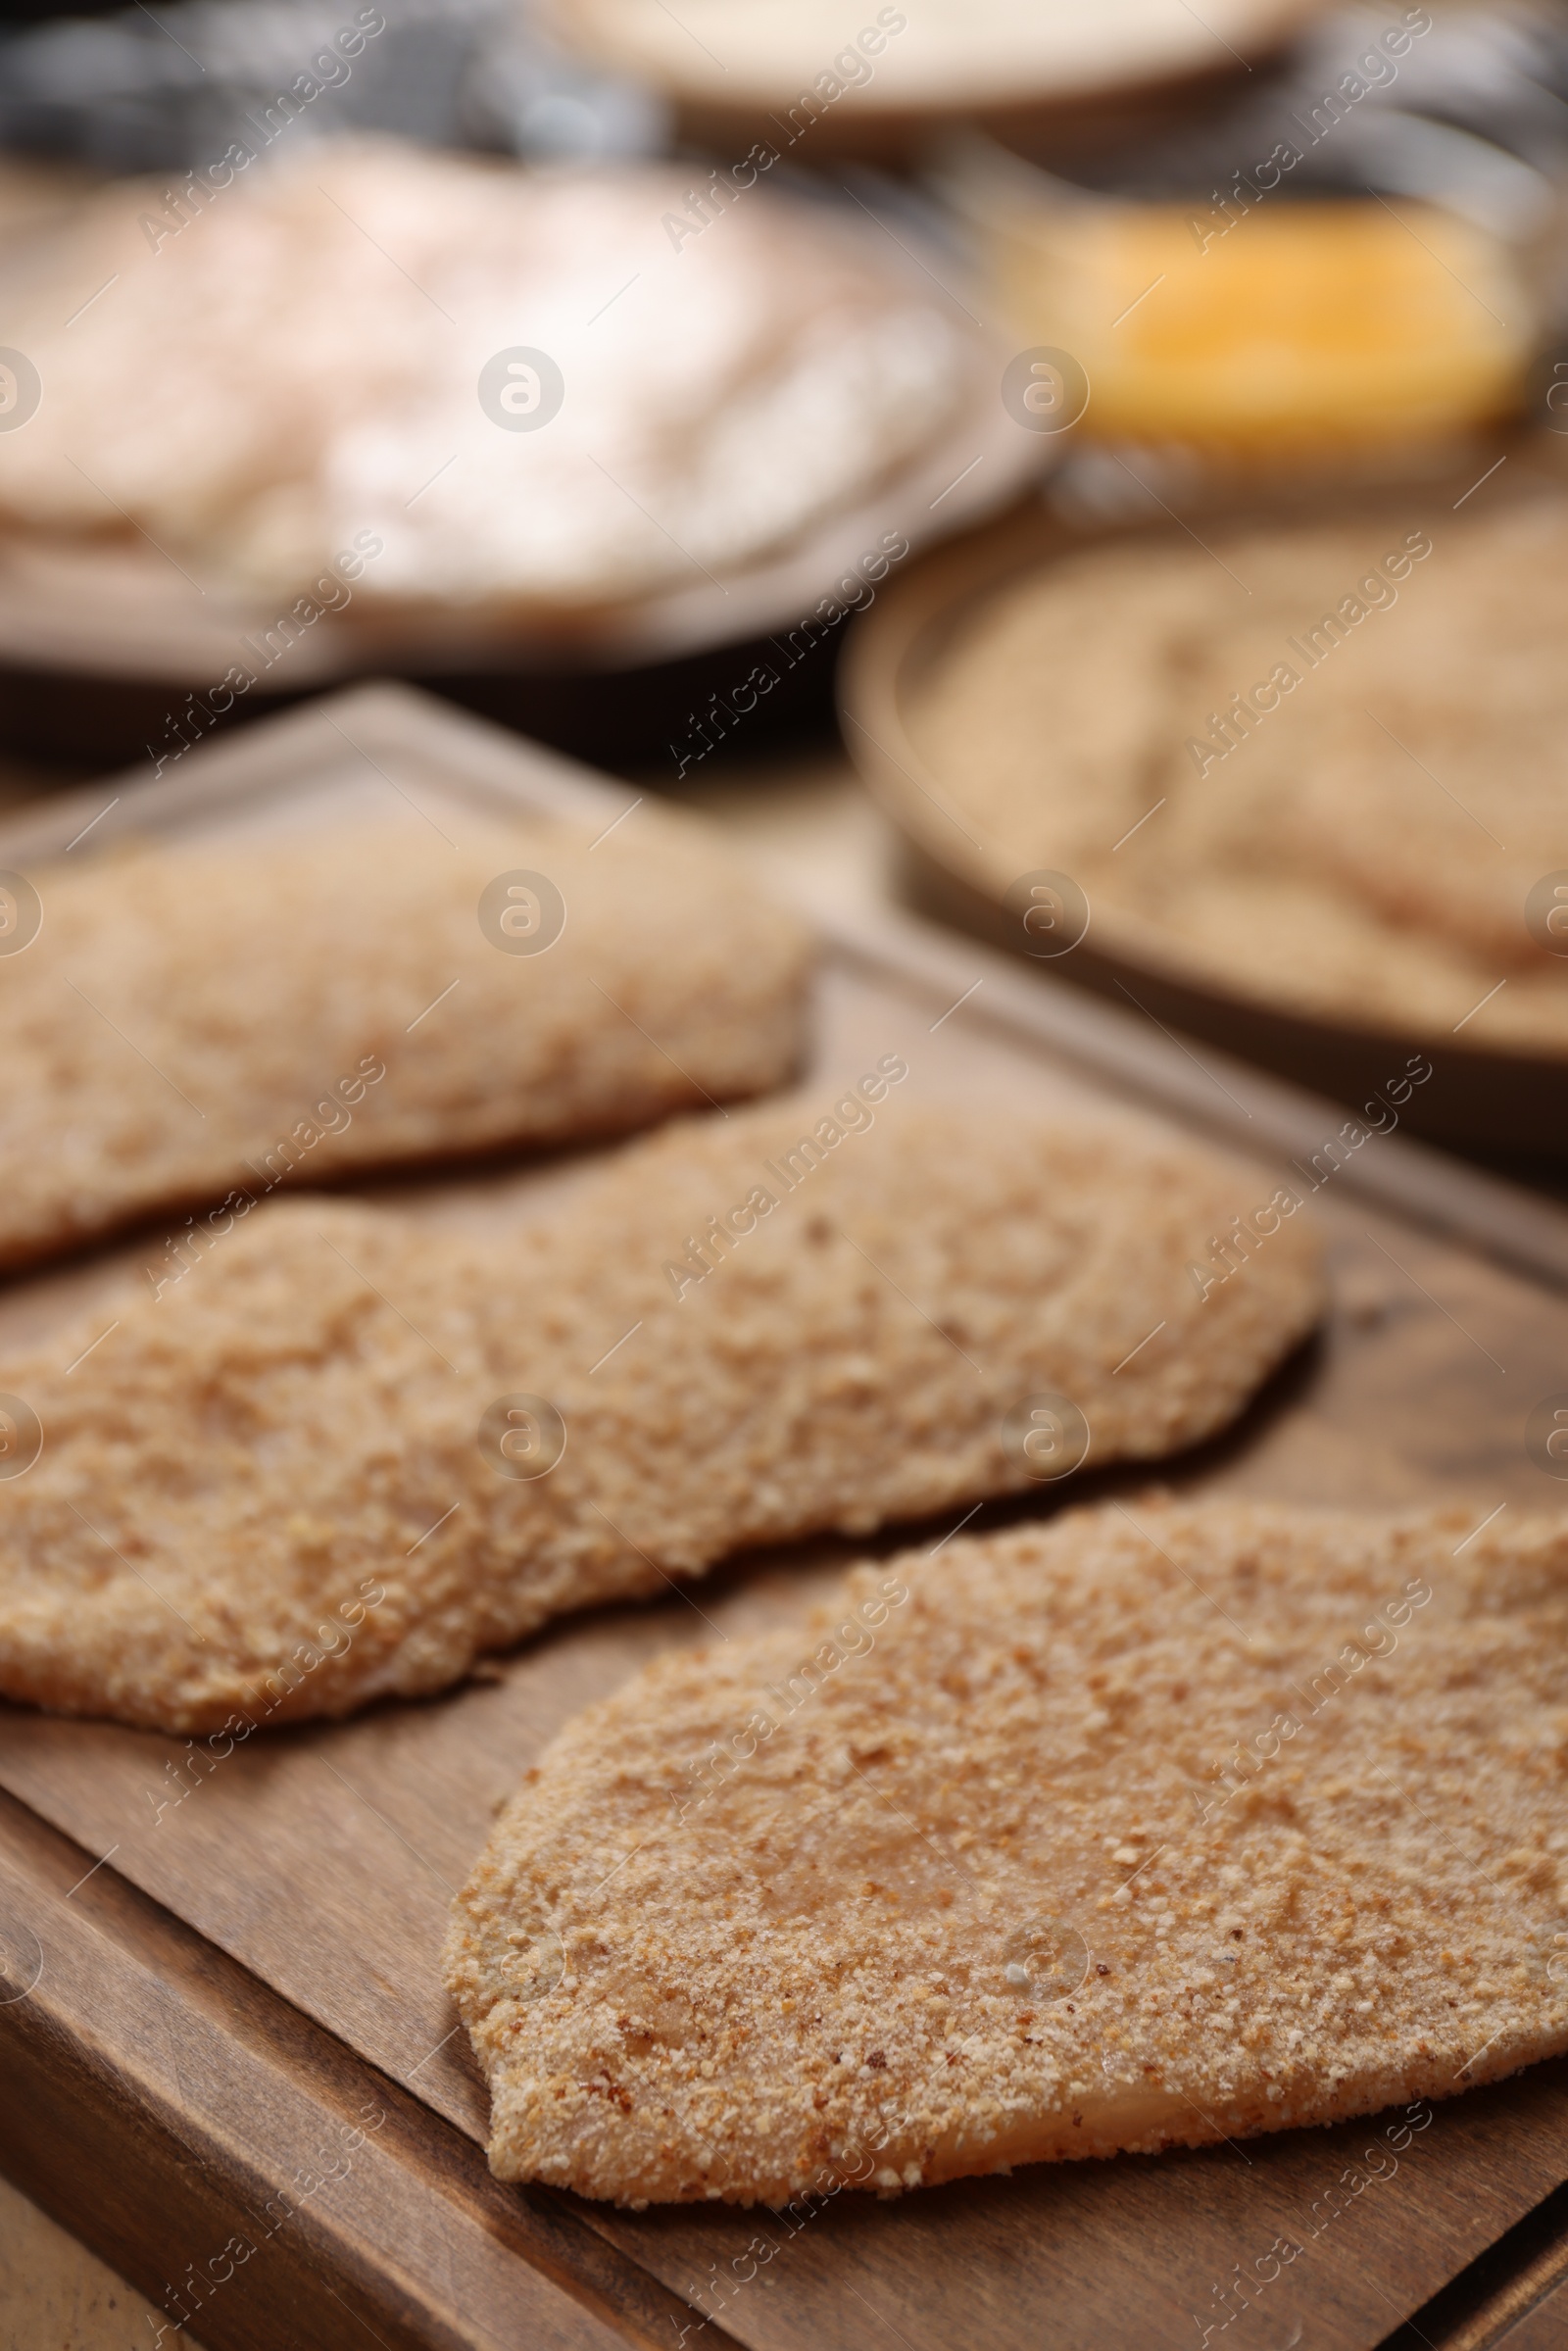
pixel 57 2296
pixel 249 1958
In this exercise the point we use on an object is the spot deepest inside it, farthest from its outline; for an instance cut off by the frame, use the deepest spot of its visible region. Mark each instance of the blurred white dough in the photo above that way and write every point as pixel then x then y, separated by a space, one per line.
pixel 300 364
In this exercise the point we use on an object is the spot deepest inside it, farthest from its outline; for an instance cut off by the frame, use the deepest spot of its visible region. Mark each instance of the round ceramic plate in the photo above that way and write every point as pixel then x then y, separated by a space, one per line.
pixel 931 60
pixel 100 638
pixel 1486 1098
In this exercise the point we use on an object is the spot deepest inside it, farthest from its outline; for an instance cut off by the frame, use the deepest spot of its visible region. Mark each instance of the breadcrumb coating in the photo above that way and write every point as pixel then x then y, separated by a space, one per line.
pixel 192 1019
pixel 1343 788
pixel 329 1465
pixel 1139 1830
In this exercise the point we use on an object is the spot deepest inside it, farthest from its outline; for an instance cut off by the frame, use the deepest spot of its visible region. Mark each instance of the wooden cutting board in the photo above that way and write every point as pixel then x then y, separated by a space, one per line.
pixel 228 2052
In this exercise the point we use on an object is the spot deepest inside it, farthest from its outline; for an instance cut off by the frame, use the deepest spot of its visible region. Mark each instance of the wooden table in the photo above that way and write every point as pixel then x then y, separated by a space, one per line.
pixel 225 1998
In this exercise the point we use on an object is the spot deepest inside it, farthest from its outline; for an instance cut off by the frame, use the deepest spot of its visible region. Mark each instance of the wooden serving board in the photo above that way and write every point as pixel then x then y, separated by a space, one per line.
pixel 229 2045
